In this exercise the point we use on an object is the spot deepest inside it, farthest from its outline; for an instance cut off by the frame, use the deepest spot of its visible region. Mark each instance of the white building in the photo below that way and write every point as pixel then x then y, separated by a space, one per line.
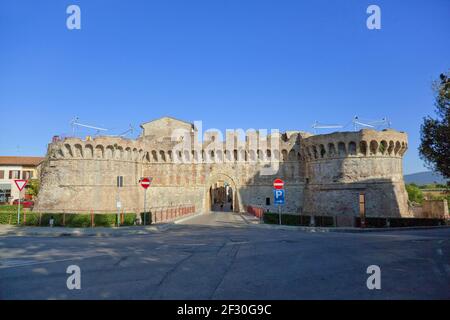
pixel 12 168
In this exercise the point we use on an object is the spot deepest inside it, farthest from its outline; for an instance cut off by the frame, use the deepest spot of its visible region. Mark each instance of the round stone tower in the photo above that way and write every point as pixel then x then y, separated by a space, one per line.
pixel 350 174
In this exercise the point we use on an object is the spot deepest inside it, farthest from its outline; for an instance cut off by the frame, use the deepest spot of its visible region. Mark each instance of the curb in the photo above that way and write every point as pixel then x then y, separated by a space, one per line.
pixel 342 230
pixel 187 218
pixel 248 221
pixel 115 232
pixel 90 232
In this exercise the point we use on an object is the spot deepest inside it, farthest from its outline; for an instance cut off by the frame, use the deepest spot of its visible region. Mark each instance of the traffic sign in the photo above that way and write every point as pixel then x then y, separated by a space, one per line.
pixel 278 184
pixel 278 196
pixel 20 184
pixel 146 182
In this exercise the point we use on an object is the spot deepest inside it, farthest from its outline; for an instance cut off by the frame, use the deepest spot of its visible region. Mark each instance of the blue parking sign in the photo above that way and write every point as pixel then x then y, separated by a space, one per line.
pixel 278 196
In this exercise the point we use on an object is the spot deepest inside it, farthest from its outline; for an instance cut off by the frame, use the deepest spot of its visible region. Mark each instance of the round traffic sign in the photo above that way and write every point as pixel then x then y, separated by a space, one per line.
pixel 278 184
pixel 145 183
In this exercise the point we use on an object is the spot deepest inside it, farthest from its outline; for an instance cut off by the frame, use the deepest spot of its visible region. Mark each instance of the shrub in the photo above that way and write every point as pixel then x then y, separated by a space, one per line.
pixel 31 220
pixel 7 208
pixel 8 217
pixel 324 221
pixel 287 219
pixel 412 222
pixel 57 217
pixel 414 193
pixel 129 219
pixel 105 220
pixel 372 222
pixel 78 220
pixel 271 218
pixel 148 217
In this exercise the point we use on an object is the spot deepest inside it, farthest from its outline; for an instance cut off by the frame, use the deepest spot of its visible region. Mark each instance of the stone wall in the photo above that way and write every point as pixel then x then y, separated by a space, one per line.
pixel 342 166
pixel 323 174
pixel 435 209
pixel 81 176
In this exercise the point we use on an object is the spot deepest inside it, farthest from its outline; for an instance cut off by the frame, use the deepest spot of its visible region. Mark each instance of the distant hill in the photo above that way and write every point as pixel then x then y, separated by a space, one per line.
pixel 426 177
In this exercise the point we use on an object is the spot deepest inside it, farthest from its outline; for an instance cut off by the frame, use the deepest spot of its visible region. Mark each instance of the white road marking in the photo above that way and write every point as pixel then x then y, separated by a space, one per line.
pixel 6 264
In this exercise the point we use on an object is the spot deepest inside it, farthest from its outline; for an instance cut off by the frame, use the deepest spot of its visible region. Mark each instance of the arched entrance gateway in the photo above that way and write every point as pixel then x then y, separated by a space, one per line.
pixel 221 194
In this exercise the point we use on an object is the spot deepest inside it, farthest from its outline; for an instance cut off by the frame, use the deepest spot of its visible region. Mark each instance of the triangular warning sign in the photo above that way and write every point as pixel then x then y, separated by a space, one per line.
pixel 20 184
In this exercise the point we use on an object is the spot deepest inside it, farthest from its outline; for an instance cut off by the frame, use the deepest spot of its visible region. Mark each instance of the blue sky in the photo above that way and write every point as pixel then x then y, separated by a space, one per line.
pixel 232 64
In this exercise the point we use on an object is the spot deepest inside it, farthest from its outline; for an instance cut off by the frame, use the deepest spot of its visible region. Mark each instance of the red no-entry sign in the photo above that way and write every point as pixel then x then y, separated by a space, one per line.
pixel 278 184
pixel 146 182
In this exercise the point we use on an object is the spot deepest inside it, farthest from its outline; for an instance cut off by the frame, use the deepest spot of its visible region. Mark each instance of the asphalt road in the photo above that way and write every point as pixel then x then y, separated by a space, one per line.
pixel 217 256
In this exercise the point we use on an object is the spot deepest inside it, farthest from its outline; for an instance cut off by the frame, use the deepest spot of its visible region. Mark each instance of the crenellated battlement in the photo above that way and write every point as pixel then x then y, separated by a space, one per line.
pixel 278 148
pixel 289 146
pixel 99 148
pixel 365 143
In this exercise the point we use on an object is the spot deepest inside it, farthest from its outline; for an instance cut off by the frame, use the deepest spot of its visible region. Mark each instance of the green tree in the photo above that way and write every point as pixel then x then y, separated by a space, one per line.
pixel 33 187
pixel 414 193
pixel 435 133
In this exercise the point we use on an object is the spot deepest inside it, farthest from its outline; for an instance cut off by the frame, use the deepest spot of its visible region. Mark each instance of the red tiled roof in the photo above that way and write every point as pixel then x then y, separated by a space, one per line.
pixel 20 161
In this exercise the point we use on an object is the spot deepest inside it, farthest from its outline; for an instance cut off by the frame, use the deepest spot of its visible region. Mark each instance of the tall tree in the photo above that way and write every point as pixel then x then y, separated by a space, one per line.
pixel 435 133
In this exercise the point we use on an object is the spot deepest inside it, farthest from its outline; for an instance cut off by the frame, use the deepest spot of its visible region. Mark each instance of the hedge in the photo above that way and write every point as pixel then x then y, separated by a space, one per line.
pixel 324 221
pixel 8 217
pixel 69 220
pixel 287 219
pixel 8 208
pixel 148 218
pixel 375 222
pixel 372 222
pixel 412 222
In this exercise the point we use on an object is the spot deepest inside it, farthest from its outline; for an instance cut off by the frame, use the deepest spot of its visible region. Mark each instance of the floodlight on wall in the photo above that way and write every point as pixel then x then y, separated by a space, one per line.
pixel 76 124
pixel 357 123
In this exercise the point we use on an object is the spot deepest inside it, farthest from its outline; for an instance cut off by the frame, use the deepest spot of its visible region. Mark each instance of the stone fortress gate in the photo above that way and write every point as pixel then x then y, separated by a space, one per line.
pixel 325 175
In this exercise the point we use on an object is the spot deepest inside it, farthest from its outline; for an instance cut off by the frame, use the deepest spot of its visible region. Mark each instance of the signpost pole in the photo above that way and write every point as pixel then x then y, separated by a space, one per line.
pixel 18 211
pixel 145 202
pixel 118 205
pixel 118 211
pixel 145 183
pixel 279 213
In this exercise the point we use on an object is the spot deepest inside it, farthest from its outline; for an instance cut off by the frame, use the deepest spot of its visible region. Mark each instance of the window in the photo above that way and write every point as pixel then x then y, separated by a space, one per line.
pixel 5 193
pixel 14 174
pixel 267 201
pixel 27 175
pixel 2 174
pixel 119 181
